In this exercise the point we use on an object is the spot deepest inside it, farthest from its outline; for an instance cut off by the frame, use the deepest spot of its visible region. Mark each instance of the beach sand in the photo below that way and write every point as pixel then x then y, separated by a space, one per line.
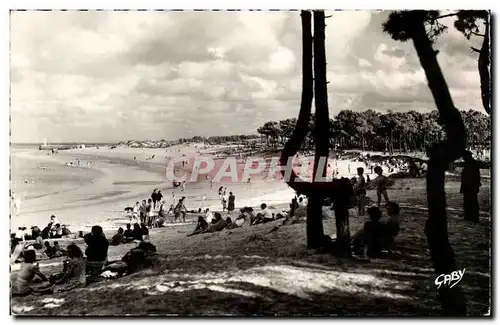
pixel 82 197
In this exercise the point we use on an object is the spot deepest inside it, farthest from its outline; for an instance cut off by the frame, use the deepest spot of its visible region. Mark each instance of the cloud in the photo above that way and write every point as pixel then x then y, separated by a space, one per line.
pixel 110 76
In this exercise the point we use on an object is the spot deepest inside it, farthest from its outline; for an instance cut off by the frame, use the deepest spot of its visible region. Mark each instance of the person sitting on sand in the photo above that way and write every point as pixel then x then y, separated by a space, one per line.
pixel 217 225
pixel 381 182
pixel 368 240
pixel 97 246
pixel 58 248
pixel 65 230
pixel 180 209
pixel 209 216
pixel 145 232
pixel 22 284
pixel 118 238
pixel 38 243
pixel 35 232
pixel 230 203
pixel 230 224
pixel 265 215
pixel 128 234
pixel 56 232
pixel 137 232
pixel 50 251
pixel 140 257
pixel 391 224
pixel 53 222
pixel 200 226
pixel 360 190
pixel 74 272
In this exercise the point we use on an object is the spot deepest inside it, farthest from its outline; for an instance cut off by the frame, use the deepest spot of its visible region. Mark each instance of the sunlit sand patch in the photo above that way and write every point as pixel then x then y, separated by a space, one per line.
pixel 16 309
pixel 51 305
pixel 301 282
pixel 292 280
pixel 54 300
pixel 217 257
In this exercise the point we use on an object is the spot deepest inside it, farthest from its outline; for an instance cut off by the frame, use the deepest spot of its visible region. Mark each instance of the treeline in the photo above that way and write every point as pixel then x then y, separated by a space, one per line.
pixel 220 139
pixel 371 130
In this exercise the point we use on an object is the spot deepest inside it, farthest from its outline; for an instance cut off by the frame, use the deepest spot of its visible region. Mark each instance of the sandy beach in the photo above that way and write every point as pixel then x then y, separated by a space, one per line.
pixel 84 196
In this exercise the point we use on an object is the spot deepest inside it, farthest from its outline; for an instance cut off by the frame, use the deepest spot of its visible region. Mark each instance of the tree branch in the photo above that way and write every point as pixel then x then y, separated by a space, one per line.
pixel 477 34
pixel 475 50
pixel 447 15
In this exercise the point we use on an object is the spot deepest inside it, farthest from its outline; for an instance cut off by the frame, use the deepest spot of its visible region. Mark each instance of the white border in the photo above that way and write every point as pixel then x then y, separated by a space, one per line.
pixel 186 4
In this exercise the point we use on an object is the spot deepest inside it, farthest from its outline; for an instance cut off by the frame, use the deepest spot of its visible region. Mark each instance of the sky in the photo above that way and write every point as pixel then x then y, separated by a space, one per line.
pixel 113 76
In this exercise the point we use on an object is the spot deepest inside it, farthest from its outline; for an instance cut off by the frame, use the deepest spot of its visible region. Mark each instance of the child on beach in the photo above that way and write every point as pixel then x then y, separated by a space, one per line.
pixel 360 190
pixel 135 212
pixel 381 182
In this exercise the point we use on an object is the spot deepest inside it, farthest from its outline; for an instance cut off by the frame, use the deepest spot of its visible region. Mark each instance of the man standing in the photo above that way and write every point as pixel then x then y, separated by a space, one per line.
pixel 471 182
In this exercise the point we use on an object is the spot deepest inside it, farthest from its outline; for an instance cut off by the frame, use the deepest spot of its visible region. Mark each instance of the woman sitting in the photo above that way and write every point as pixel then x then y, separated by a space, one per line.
pixel 38 243
pixel 200 226
pixel 137 232
pixel 23 283
pixel 145 232
pixel 230 224
pixel 74 271
pixel 368 240
pixel 97 250
pixel 118 238
pixel 390 224
pixel 217 224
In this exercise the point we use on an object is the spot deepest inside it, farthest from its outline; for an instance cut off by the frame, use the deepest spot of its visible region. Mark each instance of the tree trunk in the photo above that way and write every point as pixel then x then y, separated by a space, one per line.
pixel 484 68
pixel 314 210
pixel 442 255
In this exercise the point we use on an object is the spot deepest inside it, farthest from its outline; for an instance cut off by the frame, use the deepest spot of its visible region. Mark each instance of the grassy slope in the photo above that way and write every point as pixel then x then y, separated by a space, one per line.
pixel 250 272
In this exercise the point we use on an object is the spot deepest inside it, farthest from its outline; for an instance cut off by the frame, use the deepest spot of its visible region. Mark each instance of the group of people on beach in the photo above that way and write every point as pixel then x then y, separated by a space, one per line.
pixel 227 201
pixel 80 268
pixel 359 184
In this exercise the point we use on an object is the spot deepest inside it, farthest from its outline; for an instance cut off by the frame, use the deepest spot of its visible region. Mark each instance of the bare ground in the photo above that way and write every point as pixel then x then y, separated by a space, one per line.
pixel 249 271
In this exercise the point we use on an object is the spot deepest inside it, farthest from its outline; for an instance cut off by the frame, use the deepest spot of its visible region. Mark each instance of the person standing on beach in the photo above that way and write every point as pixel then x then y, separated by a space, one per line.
pixel 360 190
pixel 381 182
pixel 154 198
pixel 159 197
pixel 224 201
pixel 135 213
pixel 230 205
pixel 183 188
pixel 142 211
pixel 179 209
pixel 470 184
pixel 149 213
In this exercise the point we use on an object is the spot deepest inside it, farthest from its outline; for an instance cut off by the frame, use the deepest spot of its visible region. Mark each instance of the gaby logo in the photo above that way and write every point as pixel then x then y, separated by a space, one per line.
pixel 450 280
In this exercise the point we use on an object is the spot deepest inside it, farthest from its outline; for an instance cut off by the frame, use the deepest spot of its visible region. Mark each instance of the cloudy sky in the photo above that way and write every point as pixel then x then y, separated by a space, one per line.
pixel 111 76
